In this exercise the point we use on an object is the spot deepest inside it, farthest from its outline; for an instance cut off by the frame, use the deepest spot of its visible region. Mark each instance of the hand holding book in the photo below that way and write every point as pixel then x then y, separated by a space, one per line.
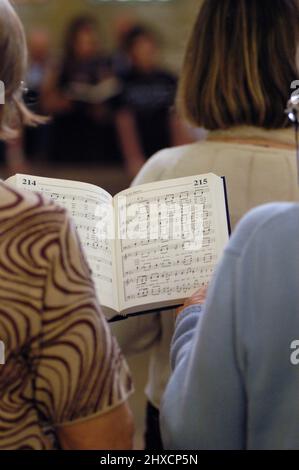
pixel 198 298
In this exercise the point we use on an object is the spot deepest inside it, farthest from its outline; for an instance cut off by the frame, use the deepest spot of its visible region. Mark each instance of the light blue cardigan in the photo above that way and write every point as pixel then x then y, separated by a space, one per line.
pixel 233 385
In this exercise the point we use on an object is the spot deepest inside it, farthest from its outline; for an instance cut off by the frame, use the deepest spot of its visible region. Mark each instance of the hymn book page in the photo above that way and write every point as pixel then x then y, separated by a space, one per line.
pixel 181 228
pixel 82 201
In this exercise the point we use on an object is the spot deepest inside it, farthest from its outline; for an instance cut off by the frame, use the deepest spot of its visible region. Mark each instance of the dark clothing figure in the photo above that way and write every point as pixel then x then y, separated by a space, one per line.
pixel 86 132
pixel 2 153
pixel 150 97
pixel 35 138
pixel 153 439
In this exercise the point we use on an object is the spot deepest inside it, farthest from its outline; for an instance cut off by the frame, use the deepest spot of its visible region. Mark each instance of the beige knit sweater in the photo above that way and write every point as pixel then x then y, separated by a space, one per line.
pixel 259 166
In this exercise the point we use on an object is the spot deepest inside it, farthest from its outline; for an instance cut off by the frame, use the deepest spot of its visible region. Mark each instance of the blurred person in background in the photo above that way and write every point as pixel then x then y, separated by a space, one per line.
pixel 121 61
pixel 83 127
pixel 146 120
pixel 39 45
pixel 31 143
pixel 240 98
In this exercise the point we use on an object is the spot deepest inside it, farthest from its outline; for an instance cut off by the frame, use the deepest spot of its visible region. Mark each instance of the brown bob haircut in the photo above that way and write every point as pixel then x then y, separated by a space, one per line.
pixel 240 63
pixel 13 64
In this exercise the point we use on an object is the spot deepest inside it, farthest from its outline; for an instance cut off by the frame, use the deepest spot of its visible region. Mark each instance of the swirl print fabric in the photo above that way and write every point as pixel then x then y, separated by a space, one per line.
pixel 62 364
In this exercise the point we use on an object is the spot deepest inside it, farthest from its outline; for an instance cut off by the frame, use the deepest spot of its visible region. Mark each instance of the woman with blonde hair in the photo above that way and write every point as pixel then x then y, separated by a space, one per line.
pixel 237 75
pixel 64 383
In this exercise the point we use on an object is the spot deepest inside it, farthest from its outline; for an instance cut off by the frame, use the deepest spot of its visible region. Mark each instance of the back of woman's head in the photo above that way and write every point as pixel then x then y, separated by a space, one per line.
pixel 13 54
pixel 240 63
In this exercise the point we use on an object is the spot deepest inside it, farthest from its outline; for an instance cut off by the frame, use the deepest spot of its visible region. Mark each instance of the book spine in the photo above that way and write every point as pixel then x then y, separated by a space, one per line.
pixel 226 206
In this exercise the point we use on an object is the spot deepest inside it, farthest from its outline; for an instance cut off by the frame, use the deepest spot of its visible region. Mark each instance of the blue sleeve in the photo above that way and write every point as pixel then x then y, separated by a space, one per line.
pixel 184 332
pixel 203 406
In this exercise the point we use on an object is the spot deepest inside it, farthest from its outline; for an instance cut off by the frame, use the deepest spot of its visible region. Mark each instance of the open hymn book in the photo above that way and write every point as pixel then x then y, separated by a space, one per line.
pixel 150 247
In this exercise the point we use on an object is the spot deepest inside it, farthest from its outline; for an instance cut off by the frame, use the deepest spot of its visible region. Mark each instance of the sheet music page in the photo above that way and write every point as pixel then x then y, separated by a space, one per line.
pixel 83 201
pixel 180 229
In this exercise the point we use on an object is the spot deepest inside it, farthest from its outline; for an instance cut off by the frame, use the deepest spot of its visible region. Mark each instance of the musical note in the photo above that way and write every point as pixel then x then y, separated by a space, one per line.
pixel 154 267
pixel 81 202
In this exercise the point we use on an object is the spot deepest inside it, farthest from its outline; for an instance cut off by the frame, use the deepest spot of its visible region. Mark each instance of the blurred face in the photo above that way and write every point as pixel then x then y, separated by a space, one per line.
pixel 39 45
pixel 144 53
pixel 122 26
pixel 86 43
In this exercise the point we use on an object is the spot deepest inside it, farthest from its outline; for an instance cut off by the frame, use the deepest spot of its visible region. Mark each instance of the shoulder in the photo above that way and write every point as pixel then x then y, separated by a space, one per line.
pixel 271 225
pixel 24 208
pixel 163 164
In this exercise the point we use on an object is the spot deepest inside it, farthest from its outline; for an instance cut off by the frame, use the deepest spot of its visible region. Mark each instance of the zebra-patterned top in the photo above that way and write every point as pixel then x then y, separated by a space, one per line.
pixel 62 364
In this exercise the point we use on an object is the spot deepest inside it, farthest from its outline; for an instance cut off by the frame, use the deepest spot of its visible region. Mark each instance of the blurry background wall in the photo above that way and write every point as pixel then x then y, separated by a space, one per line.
pixel 171 18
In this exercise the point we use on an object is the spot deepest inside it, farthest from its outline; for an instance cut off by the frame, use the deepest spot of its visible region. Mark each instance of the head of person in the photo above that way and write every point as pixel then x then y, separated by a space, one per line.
pixel 240 63
pixel 82 39
pixel 141 45
pixel 13 65
pixel 121 28
pixel 39 45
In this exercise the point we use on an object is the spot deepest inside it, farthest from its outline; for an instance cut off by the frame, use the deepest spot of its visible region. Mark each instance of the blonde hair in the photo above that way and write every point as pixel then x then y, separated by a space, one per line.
pixel 240 63
pixel 13 64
